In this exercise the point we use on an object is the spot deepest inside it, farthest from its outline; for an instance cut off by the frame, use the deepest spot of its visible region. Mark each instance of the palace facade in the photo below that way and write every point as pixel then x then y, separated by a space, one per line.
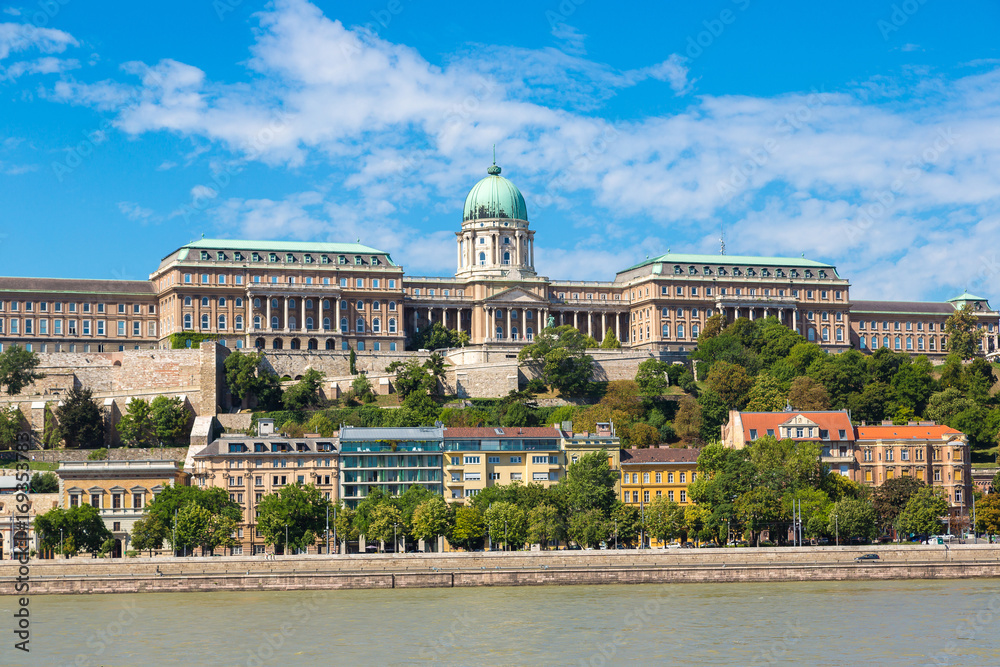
pixel 339 296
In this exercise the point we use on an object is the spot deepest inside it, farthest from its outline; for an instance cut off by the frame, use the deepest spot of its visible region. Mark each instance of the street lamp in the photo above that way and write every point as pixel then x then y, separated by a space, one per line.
pixel 335 529
pixel 505 534
pixel 328 529
pixel 395 540
pixel 836 528
pixel 286 540
pixel 616 534
pixel 61 542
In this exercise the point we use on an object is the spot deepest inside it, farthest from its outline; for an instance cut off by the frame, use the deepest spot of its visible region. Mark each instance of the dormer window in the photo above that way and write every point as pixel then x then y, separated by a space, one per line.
pixel 809 273
pixel 722 270
pixel 736 271
pixel 238 256
pixel 289 257
pixel 375 261
pixel 779 273
pixel 342 260
pixel 706 270
pixel 255 257
pixel 822 274
pixel 753 434
pixel 307 259
pixel 692 271
pixel 765 273
pixel 204 255
pixel 324 259
pixel 272 257
pixel 357 260
pixel 794 273
pixel 677 270
pixel 220 256
pixel 751 272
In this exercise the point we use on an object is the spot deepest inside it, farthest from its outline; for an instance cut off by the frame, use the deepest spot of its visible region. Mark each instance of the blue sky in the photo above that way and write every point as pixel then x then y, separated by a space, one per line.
pixel 866 134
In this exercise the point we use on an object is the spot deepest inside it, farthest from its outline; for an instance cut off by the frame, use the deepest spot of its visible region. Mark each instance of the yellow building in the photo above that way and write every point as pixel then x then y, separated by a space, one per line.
pixel 475 458
pixel 648 474
pixel 120 490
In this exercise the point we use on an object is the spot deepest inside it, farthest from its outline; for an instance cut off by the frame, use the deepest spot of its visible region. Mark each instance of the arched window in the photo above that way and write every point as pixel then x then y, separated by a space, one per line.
pixel 291 303
pixel 666 312
pixel 826 334
pixel 295 344
pixel 313 344
pixel 309 323
pixel 291 322
pixel 187 321
pixel 274 303
pixel 376 325
pixel 909 343
pixel 344 305
pixel 187 301
pixel 239 323
pixel 482 259
pixel 329 343
pixel 326 304
pixel 899 343
pixel 376 305
pixel 680 312
pixel 392 325
pixel 666 331
pixel 274 321
pixel 811 334
pixel 529 333
pixel 204 321
pixel 204 302
pixel 513 333
pixel 256 322
pixel 694 330
pixel 277 345
pixel 499 332
pixel 680 331
pixel 359 325
pixel 920 343
pixel 256 303
pixel 513 314
pixel 222 321
pixel 239 303
pixel 222 301
pixel 309 304
pixel 343 325
pixel 506 258
pixel 885 341
pixel 392 306
pixel 863 341
pixel 529 315
pixel 326 324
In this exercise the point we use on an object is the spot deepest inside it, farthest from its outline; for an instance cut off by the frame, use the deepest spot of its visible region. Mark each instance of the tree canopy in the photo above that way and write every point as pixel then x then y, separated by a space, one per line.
pixel 17 369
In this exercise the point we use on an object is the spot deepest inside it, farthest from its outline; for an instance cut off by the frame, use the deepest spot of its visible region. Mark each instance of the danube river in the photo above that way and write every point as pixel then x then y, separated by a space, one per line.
pixel 953 622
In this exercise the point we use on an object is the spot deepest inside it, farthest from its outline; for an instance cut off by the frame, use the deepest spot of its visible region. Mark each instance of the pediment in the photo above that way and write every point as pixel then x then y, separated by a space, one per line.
pixel 799 420
pixel 516 295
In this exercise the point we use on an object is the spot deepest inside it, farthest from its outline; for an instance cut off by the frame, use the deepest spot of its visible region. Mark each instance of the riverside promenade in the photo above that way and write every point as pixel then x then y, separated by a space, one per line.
pixel 458 569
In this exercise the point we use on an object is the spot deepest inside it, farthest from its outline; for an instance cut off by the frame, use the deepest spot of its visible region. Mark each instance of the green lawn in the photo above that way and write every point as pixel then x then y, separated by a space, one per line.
pixel 33 465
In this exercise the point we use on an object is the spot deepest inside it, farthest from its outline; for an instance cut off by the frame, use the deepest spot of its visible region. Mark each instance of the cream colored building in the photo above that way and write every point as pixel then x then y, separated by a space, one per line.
pixel 251 467
pixel 120 490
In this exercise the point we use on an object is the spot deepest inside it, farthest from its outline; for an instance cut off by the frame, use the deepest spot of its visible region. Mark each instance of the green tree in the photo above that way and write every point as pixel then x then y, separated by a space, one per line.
pixel 610 341
pixel 301 510
pixel 545 524
pixel 731 383
pixel 411 377
pixel 873 404
pixel 561 352
pixel 44 482
pixel 423 409
pixel 757 510
pixel 81 419
pixel 914 383
pixel 587 529
pixel 362 390
pixel 853 518
pixel 436 337
pixel 962 329
pixel 996 482
pixel 688 421
pixel 82 529
pixel 149 534
pixel 12 423
pixel 304 393
pixel 52 435
pixel 891 497
pixel 169 502
pixel 386 524
pixel 17 369
pixel 508 524
pixel 342 524
pixel 197 526
pixel 664 518
pixel 652 377
pixel 171 419
pixel 714 414
pixel 988 514
pixel 589 484
pixel 136 425
pixel 766 395
pixel 923 512
pixel 431 519
pixel 246 378
pixel 469 528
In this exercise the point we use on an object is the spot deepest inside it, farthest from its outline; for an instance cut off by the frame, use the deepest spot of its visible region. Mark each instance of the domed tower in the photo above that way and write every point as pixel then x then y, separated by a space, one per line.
pixel 495 240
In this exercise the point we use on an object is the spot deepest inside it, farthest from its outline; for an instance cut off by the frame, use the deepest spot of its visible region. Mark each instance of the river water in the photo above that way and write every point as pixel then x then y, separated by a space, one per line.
pixel 823 623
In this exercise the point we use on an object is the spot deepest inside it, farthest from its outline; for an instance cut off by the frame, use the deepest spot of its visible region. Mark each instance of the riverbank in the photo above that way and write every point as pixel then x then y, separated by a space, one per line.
pixel 461 570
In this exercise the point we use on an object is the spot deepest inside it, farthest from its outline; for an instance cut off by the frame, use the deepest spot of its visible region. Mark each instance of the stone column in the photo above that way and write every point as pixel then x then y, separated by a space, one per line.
pixel 444 317
pixel 604 326
pixel 284 324
pixel 336 314
pixel 267 324
pixel 459 249
pixel 766 310
pixel 319 314
pixel 736 313
pixel 617 326
pixel 531 250
pixel 575 320
pixel 508 324
pixel 302 323
pixel 590 328
pixel 490 327
pixel 795 319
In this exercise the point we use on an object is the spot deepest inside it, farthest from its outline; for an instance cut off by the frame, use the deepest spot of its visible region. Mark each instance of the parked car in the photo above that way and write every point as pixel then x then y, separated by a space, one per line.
pixel 687 545
pixel 866 557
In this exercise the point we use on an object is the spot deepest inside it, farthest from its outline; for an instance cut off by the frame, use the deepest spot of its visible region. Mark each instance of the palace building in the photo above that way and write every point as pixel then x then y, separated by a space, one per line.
pixel 280 295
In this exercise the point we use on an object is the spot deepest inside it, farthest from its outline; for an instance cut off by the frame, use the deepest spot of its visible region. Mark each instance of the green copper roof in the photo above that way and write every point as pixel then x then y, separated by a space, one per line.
pixel 730 260
pixel 494 197
pixel 965 296
pixel 284 246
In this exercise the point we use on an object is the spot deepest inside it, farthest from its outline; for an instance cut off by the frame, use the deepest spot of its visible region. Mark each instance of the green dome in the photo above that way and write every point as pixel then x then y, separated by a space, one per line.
pixel 494 197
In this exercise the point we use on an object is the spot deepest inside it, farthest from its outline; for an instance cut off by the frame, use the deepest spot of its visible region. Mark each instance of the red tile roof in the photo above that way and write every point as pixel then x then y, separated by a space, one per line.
pixel 827 420
pixel 935 432
pixel 492 433
pixel 659 455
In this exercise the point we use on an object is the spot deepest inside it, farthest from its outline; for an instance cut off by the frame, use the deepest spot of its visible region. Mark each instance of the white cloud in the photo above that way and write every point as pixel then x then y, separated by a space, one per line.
pixel 791 173
pixel 15 37
pixel 134 211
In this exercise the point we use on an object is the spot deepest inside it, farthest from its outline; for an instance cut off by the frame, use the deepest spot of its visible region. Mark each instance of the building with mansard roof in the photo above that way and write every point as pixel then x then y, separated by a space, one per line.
pixel 280 295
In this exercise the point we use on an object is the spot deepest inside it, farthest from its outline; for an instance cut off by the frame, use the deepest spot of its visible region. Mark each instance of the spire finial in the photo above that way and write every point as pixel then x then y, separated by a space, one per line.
pixel 494 153
pixel 493 169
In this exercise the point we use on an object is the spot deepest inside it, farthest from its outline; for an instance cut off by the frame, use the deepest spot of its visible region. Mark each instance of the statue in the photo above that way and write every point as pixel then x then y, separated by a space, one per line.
pixel 550 322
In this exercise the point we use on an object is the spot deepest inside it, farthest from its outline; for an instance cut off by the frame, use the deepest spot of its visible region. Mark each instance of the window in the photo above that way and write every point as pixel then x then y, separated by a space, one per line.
pixel 683 496
pixel 659 477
